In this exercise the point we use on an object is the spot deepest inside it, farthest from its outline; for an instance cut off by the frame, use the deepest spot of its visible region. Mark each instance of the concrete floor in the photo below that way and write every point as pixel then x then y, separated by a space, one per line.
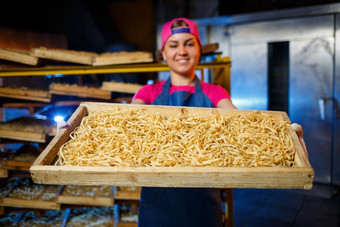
pixel 318 207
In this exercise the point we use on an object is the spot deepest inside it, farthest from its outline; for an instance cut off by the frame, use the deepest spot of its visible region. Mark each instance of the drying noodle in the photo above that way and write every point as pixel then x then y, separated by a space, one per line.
pixel 136 138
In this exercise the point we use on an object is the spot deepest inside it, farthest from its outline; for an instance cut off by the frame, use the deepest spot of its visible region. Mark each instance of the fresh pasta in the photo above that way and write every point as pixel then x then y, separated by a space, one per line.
pixel 136 138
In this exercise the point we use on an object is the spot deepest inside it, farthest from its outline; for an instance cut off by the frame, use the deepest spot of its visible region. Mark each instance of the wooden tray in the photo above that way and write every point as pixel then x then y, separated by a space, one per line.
pixel 21 56
pixel 121 194
pixel 25 93
pixel 79 91
pixel 84 199
pixel 7 201
pixel 43 171
pixel 3 172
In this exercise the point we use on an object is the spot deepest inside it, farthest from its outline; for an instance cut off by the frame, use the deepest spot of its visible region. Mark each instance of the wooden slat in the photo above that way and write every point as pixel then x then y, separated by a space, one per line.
pixel 18 165
pixel 73 56
pixel 121 87
pixel 23 136
pixel 3 173
pixel 85 200
pixel 97 200
pixel 126 224
pixel 20 56
pixel 127 195
pixel 122 58
pixel 210 47
pixel 36 204
pixel 210 177
pixel 79 91
pixel 26 94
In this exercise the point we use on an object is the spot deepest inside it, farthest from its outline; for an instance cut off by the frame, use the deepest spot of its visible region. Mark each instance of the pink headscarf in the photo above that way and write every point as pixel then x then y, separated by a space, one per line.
pixel 167 32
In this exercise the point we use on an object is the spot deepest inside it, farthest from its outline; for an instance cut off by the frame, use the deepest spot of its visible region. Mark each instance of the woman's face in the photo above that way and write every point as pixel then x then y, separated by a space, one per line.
pixel 182 52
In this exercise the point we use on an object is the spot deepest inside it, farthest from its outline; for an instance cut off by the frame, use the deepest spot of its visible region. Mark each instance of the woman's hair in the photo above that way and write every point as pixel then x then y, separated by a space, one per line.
pixel 179 23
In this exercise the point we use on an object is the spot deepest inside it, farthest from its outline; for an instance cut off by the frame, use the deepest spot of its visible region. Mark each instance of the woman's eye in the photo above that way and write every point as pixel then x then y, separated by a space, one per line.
pixel 173 46
pixel 190 44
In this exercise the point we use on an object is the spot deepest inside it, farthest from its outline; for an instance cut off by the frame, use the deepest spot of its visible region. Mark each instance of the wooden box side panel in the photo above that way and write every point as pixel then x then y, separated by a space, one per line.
pixel 30 204
pixel 50 152
pixel 168 111
pixel 206 177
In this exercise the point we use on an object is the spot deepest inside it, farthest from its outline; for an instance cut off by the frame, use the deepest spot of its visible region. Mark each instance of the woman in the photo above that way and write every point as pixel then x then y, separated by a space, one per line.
pixel 181 49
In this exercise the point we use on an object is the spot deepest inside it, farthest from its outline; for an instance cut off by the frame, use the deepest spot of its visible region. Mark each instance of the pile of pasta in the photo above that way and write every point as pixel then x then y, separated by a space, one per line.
pixel 137 138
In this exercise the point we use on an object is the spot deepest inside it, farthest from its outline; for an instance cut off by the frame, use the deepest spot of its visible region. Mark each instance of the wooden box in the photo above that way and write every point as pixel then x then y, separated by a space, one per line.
pixel 43 170
pixel 83 198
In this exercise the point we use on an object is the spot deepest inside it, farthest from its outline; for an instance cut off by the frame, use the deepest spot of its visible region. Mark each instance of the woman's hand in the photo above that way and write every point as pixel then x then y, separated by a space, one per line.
pixel 299 131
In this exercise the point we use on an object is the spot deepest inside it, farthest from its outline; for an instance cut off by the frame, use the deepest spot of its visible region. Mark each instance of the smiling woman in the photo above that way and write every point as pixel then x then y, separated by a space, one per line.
pixel 181 49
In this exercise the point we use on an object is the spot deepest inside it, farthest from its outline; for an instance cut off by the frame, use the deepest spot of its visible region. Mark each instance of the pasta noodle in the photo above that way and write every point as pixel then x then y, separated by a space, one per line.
pixel 136 138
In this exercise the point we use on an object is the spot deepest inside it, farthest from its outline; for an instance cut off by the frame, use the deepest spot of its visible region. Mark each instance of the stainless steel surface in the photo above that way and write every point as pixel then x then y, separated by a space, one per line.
pixel 272 15
pixel 249 84
pixel 311 77
pixel 283 30
pixel 336 108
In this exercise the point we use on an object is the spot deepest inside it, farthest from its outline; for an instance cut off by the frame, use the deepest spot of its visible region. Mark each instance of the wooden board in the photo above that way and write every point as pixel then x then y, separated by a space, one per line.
pixel 80 57
pixel 3 173
pixel 91 58
pixel 46 205
pixel 26 129
pixel 25 93
pixel 121 87
pixel 121 194
pixel 122 58
pixel 23 136
pixel 19 199
pixel 44 172
pixel 20 56
pixel 79 91
pixel 18 165
pixel 126 224
pixel 96 200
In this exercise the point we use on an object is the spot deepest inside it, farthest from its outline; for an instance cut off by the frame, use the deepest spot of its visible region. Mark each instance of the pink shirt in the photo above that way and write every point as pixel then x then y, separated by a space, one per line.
pixel 150 92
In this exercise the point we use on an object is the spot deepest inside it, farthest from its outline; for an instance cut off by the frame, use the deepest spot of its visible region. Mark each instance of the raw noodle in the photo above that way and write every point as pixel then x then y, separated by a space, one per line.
pixel 140 139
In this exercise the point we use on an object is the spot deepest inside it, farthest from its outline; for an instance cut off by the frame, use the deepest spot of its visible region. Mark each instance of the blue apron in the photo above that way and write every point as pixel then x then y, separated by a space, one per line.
pixel 177 207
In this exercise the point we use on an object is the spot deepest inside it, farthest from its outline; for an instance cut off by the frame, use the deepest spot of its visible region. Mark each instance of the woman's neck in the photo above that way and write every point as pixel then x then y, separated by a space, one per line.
pixel 179 80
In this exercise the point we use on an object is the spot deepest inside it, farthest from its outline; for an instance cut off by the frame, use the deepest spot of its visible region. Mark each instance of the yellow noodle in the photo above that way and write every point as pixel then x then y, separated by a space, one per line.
pixel 138 138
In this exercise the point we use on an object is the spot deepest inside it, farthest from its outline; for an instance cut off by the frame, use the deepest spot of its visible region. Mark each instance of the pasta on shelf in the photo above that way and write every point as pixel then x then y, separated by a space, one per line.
pixel 136 138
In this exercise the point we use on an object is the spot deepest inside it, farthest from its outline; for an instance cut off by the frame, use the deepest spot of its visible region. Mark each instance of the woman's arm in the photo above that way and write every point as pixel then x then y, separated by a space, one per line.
pixel 226 104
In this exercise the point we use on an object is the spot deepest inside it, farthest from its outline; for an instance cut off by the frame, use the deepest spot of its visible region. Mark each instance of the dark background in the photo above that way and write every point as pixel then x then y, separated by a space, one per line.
pixel 102 25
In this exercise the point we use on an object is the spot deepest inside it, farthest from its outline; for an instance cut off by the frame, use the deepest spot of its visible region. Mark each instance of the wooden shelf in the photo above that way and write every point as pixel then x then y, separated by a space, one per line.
pixel 126 68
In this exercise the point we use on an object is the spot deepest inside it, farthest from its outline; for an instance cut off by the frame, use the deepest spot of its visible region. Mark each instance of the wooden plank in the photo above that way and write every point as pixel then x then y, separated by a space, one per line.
pixel 18 165
pixel 85 200
pixel 20 56
pixel 122 58
pixel 25 93
pixel 126 224
pixel 79 91
pixel 300 176
pixel 121 87
pixel 23 136
pixel 3 173
pixel 121 194
pixel 30 204
pixel 83 197
pixel 210 47
pixel 210 177
pixel 81 57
